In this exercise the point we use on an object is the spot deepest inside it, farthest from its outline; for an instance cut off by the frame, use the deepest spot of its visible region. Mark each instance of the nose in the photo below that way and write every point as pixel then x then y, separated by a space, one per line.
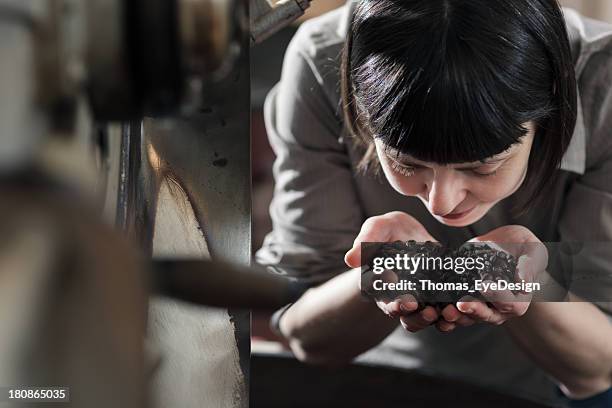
pixel 445 191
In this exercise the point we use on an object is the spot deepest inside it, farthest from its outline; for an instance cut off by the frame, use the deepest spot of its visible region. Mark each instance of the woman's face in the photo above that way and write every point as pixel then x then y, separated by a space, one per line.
pixel 459 194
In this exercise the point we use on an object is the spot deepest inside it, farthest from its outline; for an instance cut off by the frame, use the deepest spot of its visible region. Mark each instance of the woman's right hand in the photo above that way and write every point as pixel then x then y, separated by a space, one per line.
pixel 395 226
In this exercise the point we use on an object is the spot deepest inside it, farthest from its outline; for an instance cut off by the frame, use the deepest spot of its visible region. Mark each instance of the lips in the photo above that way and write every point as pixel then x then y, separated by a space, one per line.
pixel 458 215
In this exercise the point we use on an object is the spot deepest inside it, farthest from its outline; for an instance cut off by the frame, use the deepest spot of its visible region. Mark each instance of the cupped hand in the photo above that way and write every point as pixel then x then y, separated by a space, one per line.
pixel 500 306
pixel 389 227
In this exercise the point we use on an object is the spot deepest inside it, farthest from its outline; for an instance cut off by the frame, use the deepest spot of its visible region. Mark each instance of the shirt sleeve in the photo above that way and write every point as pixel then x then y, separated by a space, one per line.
pixel 587 213
pixel 315 210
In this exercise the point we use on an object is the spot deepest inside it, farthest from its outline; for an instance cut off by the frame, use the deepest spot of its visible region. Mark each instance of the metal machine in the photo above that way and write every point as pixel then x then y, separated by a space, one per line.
pixel 132 114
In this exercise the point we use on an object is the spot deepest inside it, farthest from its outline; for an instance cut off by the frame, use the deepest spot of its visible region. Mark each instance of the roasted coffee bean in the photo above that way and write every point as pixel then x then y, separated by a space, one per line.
pixel 497 265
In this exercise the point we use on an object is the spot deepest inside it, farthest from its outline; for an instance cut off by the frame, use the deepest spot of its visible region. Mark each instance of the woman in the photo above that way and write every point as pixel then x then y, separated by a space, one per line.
pixel 486 120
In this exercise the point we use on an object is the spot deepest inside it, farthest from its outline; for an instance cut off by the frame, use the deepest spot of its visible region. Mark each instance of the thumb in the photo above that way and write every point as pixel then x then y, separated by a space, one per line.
pixel 353 257
pixel 370 232
pixel 360 254
pixel 524 268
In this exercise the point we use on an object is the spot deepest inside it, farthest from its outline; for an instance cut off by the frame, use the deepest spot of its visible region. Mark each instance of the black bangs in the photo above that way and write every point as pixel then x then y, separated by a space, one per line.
pixel 447 81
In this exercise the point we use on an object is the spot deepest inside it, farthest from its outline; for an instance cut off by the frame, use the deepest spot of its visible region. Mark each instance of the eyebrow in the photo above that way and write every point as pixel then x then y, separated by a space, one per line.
pixel 403 158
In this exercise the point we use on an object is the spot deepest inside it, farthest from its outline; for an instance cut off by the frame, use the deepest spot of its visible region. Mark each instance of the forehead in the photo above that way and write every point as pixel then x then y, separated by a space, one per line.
pixel 405 157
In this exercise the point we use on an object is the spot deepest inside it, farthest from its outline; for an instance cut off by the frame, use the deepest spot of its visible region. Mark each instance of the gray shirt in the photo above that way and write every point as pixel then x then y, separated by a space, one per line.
pixel 320 201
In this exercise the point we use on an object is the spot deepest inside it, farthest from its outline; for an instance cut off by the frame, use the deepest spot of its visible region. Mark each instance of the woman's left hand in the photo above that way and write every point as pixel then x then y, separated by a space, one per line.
pixel 501 306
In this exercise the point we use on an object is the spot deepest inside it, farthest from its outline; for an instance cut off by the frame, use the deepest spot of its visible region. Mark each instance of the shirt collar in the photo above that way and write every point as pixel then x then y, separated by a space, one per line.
pixel 574 159
pixel 345 20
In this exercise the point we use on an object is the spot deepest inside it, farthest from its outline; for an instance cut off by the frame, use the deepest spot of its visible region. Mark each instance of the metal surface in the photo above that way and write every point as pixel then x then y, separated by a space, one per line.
pixel 187 197
pixel 130 202
pixel 131 57
pixel 112 94
pixel 124 173
pixel 92 283
pixel 154 57
pixel 22 123
pixel 212 164
pixel 267 20
pixel 61 42
pixel 207 31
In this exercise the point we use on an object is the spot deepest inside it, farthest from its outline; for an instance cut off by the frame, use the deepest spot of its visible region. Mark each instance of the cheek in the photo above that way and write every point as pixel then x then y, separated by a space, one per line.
pixel 497 187
pixel 488 191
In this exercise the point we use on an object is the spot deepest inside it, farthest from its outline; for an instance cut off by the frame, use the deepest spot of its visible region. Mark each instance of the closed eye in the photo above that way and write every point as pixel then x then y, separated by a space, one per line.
pixel 486 170
pixel 403 169
pixel 478 173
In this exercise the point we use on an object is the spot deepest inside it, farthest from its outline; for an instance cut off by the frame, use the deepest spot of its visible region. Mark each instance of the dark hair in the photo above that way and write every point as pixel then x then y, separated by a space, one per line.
pixel 451 81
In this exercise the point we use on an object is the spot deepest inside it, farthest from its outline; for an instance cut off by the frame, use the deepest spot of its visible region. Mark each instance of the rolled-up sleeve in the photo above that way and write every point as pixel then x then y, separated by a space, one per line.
pixel 587 215
pixel 315 210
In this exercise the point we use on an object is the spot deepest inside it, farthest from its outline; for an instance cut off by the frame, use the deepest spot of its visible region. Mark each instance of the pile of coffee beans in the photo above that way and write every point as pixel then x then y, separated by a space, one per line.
pixel 498 265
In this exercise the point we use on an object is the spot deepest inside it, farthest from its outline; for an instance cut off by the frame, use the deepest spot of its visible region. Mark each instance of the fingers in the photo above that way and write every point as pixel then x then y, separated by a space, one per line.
pixel 405 308
pixel 353 257
pixel 392 226
pixel 452 315
pixel 465 321
pixel 531 270
pixel 419 321
pixel 480 311
pixel 453 318
pixel 531 266
pixel 444 326
pixel 507 302
pixel 428 315
pixel 413 322
pixel 374 229
pixel 537 253
pixel 524 268
pixel 383 306
pixel 405 305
